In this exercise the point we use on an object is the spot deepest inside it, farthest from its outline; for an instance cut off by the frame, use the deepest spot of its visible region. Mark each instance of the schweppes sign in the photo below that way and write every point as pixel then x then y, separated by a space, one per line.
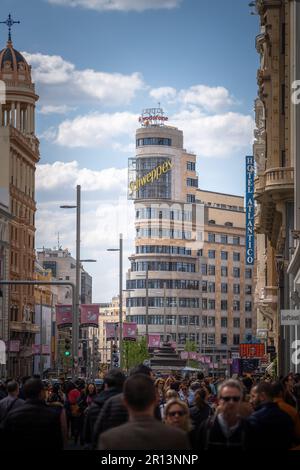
pixel 151 176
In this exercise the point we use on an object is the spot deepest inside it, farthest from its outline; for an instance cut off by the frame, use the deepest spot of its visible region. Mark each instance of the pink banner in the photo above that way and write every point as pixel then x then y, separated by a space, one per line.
pixel 45 349
pixel 216 365
pixel 184 355
pixel 112 331
pixel 14 346
pixel 35 349
pixel 193 355
pixel 153 341
pixel 129 331
pixel 63 316
pixel 174 345
pixel 207 359
pixel 89 315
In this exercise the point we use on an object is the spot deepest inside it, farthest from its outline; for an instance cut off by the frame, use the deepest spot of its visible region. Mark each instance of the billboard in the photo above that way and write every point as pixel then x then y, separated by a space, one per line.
pixel 89 315
pixel 64 316
pixel 153 341
pixel 248 350
pixel 249 210
pixel 112 331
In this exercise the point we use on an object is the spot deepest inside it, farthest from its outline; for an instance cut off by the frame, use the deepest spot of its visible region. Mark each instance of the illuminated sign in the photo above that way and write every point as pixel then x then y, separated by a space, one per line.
pixel 152 117
pixel 250 210
pixel 249 350
pixel 151 176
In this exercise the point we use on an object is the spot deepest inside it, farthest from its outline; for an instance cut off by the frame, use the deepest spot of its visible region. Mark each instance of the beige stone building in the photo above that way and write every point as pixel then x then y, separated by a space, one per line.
pixel 108 313
pixel 274 151
pixel 19 154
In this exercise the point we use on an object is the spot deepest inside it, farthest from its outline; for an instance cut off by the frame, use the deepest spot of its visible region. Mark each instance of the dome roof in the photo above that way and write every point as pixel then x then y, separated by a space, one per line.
pixel 13 61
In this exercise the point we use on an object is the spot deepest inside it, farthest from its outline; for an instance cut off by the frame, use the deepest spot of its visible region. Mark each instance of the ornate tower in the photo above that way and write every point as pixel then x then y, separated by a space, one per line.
pixel 19 154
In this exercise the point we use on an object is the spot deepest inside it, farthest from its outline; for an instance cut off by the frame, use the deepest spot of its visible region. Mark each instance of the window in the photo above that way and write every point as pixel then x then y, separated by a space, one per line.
pixel 236 323
pixel 248 273
pixel 236 339
pixel 211 287
pixel 236 272
pixel 204 269
pixel 248 323
pixel 236 305
pixel 224 239
pixel 67 278
pixel 236 256
pixel 224 255
pixel 211 339
pixel 283 98
pixel 204 286
pixel 224 288
pixel 191 198
pixel 211 270
pixel 153 141
pixel 204 304
pixel 228 224
pixel 211 237
pixel 191 166
pixel 192 182
pixel 211 254
pixel 211 304
pixel 236 240
pixel 224 271
pixel 223 338
pixel 211 222
pixel 194 320
pixel 223 322
pixel 223 304
pixel 236 288
pixel 204 321
pixel 248 289
pixel 248 306
pixel 283 38
pixel 211 322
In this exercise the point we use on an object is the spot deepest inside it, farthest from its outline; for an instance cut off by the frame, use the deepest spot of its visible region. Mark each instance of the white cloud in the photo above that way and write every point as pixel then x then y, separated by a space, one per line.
pixel 49 134
pixel 96 129
pixel 163 93
pixel 50 109
pixel 218 135
pixel 64 82
pixel 211 99
pixel 67 175
pixel 119 5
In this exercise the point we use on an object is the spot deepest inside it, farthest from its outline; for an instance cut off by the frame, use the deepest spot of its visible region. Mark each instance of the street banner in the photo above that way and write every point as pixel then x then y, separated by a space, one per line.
pixel 184 355
pixel 112 331
pixel 45 349
pixel 174 344
pixel 14 346
pixel 89 315
pixel 64 315
pixel 250 210
pixel 207 360
pixel 153 341
pixel 249 350
pixel 35 349
pixel 129 331
pixel 290 317
pixel 216 365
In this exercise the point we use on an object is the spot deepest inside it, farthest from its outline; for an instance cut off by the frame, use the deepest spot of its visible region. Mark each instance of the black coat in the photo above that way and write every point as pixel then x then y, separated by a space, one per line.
pixel 32 426
pixel 211 436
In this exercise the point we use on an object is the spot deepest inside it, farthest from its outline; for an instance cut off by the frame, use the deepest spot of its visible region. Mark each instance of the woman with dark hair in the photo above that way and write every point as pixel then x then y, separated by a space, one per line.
pixel 91 392
pixel 289 397
pixel 199 412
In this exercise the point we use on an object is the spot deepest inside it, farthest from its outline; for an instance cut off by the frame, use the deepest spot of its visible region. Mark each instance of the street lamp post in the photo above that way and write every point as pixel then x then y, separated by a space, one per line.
pixel 120 250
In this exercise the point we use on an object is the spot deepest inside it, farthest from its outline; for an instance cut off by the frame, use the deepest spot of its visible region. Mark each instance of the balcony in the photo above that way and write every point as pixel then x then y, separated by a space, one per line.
pixel 279 180
pixel 24 327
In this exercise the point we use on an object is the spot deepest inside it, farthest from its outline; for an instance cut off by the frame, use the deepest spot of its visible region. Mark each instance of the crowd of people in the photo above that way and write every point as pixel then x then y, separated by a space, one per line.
pixel 144 412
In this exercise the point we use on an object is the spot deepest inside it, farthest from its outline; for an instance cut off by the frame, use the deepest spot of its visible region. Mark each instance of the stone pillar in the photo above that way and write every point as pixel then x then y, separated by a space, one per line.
pixel 18 117
pixel 13 114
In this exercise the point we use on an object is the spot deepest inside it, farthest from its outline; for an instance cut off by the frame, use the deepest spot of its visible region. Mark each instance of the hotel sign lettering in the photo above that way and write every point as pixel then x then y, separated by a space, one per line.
pixel 151 176
pixel 249 210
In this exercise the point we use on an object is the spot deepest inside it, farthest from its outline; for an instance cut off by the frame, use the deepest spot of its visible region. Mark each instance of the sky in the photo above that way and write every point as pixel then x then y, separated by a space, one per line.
pixel 96 64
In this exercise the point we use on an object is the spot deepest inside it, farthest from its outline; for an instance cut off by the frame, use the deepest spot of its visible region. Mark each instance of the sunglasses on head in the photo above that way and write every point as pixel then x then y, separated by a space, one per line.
pixel 235 399
pixel 174 413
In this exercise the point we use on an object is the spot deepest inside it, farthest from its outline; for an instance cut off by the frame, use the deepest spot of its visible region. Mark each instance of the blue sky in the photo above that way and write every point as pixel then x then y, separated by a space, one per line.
pixel 95 69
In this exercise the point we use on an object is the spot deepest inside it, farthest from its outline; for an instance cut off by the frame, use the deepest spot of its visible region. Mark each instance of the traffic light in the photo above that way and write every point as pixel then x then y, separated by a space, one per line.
pixel 115 356
pixel 67 351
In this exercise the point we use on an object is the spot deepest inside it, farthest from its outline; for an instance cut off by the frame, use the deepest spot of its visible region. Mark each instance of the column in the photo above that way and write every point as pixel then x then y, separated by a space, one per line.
pixel 1 115
pixel 13 114
pixel 18 117
pixel 33 119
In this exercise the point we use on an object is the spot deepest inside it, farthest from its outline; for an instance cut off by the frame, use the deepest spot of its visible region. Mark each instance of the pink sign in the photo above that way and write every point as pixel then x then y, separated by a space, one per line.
pixel 174 345
pixel 184 355
pixel 14 346
pixel 193 355
pixel 153 341
pixel 35 349
pixel 129 331
pixel 63 316
pixel 207 359
pixel 112 331
pixel 89 315
pixel 216 365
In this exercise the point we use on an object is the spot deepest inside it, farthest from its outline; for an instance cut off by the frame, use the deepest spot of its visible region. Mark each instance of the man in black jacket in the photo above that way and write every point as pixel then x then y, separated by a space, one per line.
pixel 113 385
pixel 33 425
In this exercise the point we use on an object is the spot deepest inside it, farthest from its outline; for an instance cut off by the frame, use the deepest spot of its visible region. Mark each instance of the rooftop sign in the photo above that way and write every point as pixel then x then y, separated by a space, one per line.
pixel 152 117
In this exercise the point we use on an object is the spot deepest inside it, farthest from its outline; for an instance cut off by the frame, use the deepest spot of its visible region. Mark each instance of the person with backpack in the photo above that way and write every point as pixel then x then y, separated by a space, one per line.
pixel 11 401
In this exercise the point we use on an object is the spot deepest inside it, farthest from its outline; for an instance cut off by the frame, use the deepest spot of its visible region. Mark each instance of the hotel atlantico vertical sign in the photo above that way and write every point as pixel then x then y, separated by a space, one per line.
pixel 249 210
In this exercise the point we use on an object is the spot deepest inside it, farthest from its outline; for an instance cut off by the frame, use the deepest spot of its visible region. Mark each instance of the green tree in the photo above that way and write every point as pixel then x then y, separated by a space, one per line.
pixel 134 352
pixel 190 346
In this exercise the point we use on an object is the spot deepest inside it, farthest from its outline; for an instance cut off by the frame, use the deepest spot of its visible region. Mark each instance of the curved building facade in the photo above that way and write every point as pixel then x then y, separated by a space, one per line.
pixel 163 281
